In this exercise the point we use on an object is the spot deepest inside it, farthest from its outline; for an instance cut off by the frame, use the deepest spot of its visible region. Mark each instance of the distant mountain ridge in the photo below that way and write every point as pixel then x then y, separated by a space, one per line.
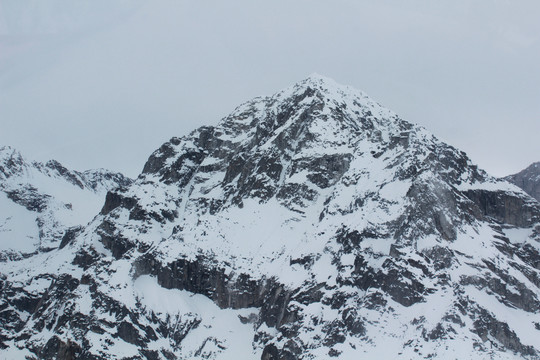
pixel 41 200
pixel 310 224
pixel 528 179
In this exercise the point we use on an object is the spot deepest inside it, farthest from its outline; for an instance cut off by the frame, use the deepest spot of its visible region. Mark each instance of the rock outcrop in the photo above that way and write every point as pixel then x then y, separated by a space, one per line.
pixel 528 179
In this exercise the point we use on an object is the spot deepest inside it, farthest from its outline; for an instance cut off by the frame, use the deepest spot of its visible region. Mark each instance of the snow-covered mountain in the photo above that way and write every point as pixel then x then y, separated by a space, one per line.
pixel 528 179
pixel 39 202
pixel 307 225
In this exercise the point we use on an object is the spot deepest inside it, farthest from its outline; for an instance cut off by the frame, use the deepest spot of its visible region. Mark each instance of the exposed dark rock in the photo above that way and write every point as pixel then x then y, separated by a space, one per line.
pixel 69 236
pixel 29 197
pixel 227 291
pixel 85 258
pixel 324 171
pixel 270 352
pixel 486 326
pixel 441 257
pixel 524 298
pixel 353 322
pixel 351 239
pixel 305 261
pixel 115 199
pixel 505 207
pixel 334 333
pixel 94 179
pixel 528 179
pixel 439 332
pixel 334 353
pixel 65 173
pixel 435 209
pixel 112 241
pixel 296 196
pixel 156 162
pixel 127 332
pixel 59 350
pixel 394 279
pixel 274 307
pixel 312 293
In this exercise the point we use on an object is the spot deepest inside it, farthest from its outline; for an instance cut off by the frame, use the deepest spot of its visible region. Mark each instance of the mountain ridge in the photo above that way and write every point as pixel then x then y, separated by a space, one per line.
pixel 54 197
pixel 310 224
pixel 528 179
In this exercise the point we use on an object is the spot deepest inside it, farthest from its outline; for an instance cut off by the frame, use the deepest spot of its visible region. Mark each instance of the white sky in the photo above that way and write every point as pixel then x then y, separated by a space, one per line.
pixel 96 83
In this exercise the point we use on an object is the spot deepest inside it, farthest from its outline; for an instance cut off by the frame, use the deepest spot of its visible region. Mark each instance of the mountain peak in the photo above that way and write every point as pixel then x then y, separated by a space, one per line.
pixel 11 161
pixel 528 179
pixel 322 200
pixel 320 80
pixel 333 95
pixel 312 109
pixel 325 85
pixel 8 152
pixel 322 222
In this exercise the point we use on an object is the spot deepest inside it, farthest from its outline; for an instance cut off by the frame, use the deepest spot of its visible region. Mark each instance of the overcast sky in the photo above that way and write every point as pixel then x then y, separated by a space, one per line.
pixel 96 83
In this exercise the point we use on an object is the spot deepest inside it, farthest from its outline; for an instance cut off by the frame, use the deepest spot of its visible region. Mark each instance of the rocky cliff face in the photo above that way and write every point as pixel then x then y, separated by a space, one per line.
pixel 528 179
pixel 310 224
